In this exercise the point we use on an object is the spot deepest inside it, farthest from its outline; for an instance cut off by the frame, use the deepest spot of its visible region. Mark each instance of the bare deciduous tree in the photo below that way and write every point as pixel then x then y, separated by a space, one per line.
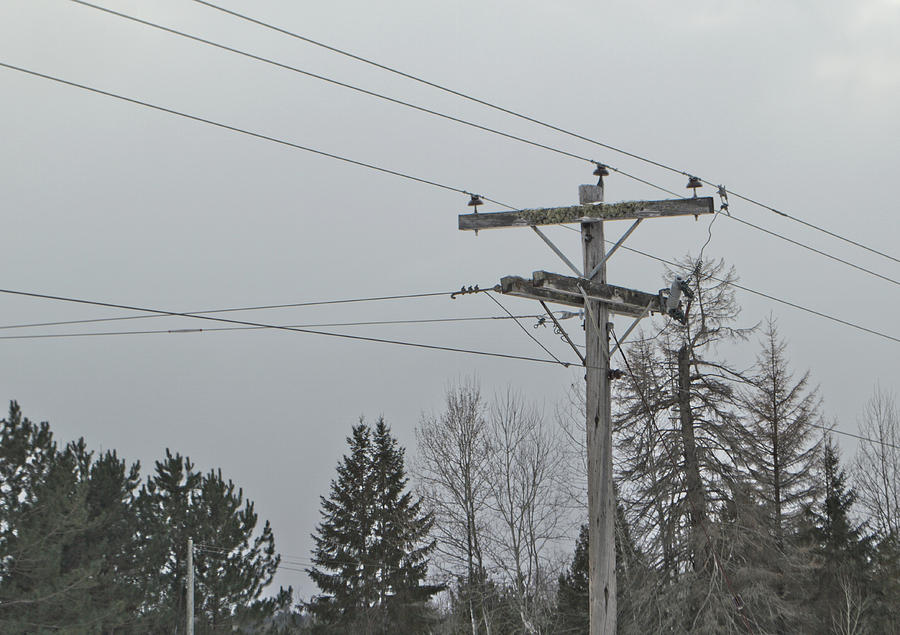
pixel 496 479
pixel 878 464
pixel 528 501
pixel 452 471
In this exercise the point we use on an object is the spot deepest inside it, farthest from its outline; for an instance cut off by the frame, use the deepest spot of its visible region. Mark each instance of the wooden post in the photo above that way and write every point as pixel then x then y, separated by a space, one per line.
pixel 189 618
pixel 599 300
pixel 601 503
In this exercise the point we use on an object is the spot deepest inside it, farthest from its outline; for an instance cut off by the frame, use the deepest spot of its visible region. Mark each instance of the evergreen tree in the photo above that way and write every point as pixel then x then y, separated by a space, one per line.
pixel 371 552
pixel 633 582
pixel 231 566
pixel 68 534
pixel 572 596
pixel 843 547
pixel 27 451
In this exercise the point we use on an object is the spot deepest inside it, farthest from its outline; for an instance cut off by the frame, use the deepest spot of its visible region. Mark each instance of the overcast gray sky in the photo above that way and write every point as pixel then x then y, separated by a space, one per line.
pixel 792 103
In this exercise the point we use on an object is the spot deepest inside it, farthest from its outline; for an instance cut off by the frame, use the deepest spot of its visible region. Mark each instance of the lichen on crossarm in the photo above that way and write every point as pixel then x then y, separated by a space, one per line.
pixel 554 215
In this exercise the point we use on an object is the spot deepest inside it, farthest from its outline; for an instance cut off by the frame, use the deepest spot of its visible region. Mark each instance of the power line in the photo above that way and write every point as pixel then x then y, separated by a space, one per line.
pixel 387 171
pixel 275 326
pixel 771 297
pixel 856 436
pixel 813 249
pixel 429 111
pixel 359 89
pixel 390 99
pixel 527 332
pixel 759 293
pixel 235 309
pixel 333 81
pixel 248 328
pixel 536 121
pixel 244 131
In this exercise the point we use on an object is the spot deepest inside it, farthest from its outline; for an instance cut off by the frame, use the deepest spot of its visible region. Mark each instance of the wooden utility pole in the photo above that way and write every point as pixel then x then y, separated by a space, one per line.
pixel 591 291
pixel 601 502
pixel 189 619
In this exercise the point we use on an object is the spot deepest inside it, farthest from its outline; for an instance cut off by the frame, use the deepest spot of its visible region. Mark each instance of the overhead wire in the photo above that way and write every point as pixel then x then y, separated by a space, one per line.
pixel 383 170
pixel 771 297
pixel 536 121
pixel 834 430
pixel 364 338
pixel 459 120
pixel 32 336
pixel 760 293
pixel 526 331
pixel 335 82
pixel 349 86
pixel 235 309
pixel 346 336
pixel 392 100
pixel 244 131
pixel 730 215
pixel 813 249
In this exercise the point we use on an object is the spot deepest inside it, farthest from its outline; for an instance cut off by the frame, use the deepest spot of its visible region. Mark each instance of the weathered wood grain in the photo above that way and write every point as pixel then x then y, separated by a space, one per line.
pixel 551 287
pixel 588 213
pixel 619 299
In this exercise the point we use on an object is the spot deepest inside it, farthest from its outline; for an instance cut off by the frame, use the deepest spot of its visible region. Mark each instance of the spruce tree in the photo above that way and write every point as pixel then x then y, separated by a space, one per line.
pixel 371 548
pixel 572 599
pixel 843 546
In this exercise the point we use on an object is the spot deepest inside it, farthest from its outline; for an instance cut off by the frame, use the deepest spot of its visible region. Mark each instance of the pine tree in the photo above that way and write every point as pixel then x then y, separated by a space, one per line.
pixel 27 451
pixel 371 552
pixel 69 534
pixel 231 566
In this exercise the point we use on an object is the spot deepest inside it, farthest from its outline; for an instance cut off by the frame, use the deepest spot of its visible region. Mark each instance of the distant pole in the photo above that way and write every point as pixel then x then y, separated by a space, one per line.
pixel 189 626
pixel 601 502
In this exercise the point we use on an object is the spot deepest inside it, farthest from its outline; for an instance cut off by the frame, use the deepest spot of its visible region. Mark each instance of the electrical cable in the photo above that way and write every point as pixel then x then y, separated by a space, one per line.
pixel 234 309
pixel 34 336
pixel 536 121
pixel 387 171
pixel 527 332
pixel 759 293
pixel 856 436
pixel 813 249
pixel 334 81
pixel 448 117
pixel 770 297
pixel 244 131
pixel 400 102
pixel 275 326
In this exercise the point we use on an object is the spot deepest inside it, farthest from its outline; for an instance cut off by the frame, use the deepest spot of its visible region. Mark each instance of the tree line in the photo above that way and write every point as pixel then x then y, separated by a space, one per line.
pixel 87 547
pixel 735 512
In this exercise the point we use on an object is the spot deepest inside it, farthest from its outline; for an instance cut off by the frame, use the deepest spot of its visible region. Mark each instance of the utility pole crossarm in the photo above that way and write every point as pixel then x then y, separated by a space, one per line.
pixel 620 300
pixel 589 289
pixel 596 212
pixel 552 287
